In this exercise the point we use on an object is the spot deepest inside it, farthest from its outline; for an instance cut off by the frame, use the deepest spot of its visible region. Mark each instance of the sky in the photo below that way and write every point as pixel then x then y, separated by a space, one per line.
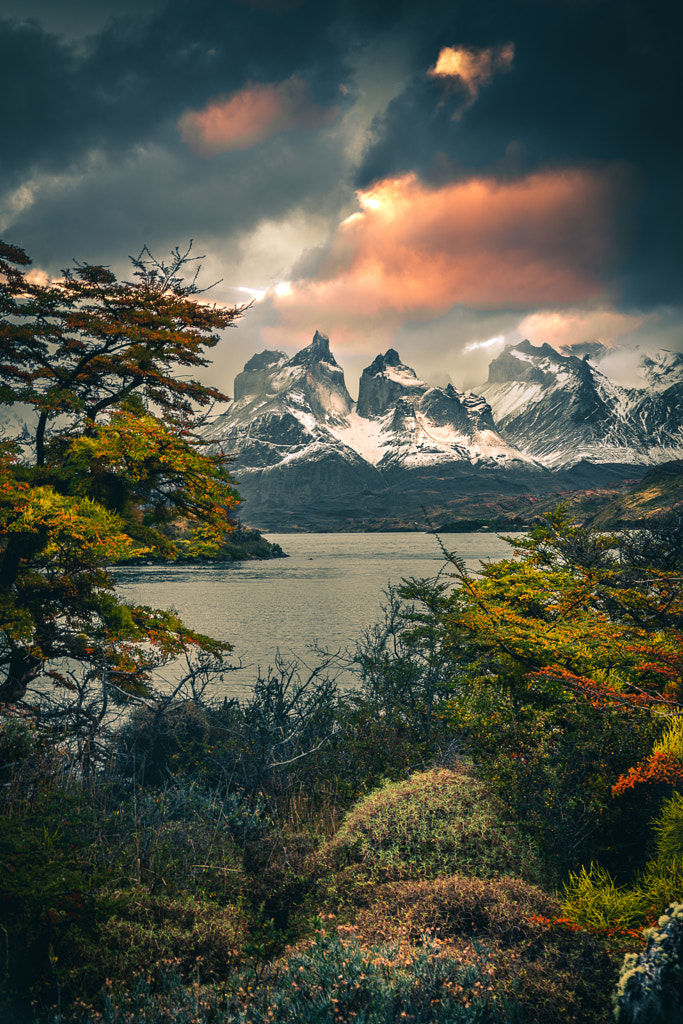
pixel 443 177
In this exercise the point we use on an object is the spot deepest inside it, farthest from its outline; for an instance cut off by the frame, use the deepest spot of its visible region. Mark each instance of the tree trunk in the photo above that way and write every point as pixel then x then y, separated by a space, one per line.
pixel 23 667
pixel 19 546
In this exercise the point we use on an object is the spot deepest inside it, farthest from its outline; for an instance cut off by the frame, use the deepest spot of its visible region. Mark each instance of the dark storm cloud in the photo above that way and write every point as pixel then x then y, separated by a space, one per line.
pixel 98 167
pixel 595 82
pixel 42 118
pixel 599 80
pixel 75 19
pixel 137 77
pixel 117 206
pixel 93 160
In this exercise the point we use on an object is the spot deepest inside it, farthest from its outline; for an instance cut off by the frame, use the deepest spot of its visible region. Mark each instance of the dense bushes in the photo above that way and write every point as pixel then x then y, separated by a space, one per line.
pixel 559 661
pixel 332 980
pixel 501 733
pixel 592 898
pixel 97 879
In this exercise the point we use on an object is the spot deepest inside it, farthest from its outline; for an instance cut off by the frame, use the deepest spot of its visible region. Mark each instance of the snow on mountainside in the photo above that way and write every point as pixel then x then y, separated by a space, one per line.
pixel 284 409
pixel 662 370
pixel 281 430
pixel 307 456
pixel 562 410
pixel 412 424
pixel 299 410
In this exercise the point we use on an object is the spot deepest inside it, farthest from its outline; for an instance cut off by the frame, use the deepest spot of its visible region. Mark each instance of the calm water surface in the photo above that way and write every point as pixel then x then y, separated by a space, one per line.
pixel 329 589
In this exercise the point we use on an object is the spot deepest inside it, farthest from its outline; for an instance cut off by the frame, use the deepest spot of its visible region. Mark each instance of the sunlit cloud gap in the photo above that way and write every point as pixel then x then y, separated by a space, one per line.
pixel 415 251
pixel 568 327
pixel 470 69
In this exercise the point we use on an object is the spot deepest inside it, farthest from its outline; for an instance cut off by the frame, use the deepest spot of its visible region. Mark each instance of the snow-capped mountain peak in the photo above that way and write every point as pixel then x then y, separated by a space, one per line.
pixel 293 427
pixel 317 352
pixel 384 381
pixel 562 409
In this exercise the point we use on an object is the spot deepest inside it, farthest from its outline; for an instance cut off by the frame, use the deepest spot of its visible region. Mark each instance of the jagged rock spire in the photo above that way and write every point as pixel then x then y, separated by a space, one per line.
pixel 317 352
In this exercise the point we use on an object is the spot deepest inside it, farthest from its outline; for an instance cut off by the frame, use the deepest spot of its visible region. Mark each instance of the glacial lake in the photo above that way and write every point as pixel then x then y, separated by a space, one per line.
pixel 327 592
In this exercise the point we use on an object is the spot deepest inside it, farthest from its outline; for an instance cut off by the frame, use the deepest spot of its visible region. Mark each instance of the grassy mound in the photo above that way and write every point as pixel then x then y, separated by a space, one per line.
pixel 438 822
pixel 501 909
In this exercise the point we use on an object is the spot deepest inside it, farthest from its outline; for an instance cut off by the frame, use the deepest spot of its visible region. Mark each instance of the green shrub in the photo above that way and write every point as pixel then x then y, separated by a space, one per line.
pixel 156 746
pixel 650 988
pixel 18 741
pixel 338 980
pixel 671 740
pixel 553 768
pixel 31 762
pixel 438 822
pixel 406 670
pixel 592 897
pixel 334 980
pixel 668 831
pixel 143 932
pixel 178 838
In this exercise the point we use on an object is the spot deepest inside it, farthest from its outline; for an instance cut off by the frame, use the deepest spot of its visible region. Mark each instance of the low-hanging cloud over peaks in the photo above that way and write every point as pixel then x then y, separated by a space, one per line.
pixel 569 328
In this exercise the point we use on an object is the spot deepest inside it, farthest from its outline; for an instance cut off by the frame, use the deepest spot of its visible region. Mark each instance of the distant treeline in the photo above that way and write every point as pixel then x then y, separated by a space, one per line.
pixel 243 543
pixel 497 525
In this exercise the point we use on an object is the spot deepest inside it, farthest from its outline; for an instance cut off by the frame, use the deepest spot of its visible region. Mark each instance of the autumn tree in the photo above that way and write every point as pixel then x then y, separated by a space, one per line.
pixel 577 612
pixel 565 666
pixel 107 461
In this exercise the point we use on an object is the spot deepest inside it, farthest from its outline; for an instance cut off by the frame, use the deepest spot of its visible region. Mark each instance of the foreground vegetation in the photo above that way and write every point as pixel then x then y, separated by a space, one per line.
pixel 478 833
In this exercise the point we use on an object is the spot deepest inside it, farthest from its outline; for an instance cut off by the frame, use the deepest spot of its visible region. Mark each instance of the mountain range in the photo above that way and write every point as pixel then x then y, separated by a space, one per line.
pixel 562 410
pixel 308 456
pixel 544 427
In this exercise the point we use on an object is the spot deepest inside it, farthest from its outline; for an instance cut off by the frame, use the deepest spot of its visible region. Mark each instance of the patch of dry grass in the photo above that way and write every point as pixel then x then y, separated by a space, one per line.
pixel 179 933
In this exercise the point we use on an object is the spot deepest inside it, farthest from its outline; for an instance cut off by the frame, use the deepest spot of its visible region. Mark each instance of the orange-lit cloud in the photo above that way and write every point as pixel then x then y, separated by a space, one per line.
pixel 564 328
pixel 250 116
pixel 413 252
pixel 471 68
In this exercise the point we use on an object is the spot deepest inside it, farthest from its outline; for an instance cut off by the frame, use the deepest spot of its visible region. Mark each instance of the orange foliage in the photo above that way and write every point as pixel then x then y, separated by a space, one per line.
pixel 567 925
pixel 659 767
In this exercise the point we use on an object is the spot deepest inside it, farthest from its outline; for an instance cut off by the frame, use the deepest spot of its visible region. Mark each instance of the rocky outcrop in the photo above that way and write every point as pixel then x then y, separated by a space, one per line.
pixel 383 382
pixel 254 378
